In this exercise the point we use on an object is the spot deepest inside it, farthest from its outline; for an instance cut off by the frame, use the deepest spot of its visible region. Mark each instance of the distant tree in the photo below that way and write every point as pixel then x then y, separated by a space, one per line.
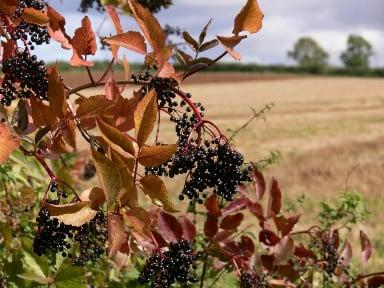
pixel 153 5
pixel 357 54
pixel 309 54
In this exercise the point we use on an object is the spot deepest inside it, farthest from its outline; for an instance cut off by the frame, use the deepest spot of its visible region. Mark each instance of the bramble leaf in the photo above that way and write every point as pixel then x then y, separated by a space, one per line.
pixel 156 155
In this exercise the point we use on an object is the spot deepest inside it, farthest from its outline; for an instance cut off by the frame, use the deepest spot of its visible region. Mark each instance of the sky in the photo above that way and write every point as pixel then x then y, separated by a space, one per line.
pixel 329 22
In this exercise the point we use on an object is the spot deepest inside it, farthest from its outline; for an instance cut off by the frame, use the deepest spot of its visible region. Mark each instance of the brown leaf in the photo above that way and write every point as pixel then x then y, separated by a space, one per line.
pixel 232 222
pixel 42 115
pixel 92 105
pixel 128 195
pixel 159 57
pixel 139 219
pixel 247 246
pixel 190 41
pixel 35 16
pixel 145 117
pixel 112 91
pixel 169 227
pixel 156 190
pixel 346 254
pixel 56 94
pixel 75 214
pixel 8 142
pixel 124 113
pixel 283 250
pixel 116 137
pixel 109 175
pixel 211 227
pixel 149 25
pixel 268 237
pixel 375 282
pixel 8 6
pixel 212 206
pixel 285 225
pixel 131 40
pixel 127 69
pixel 84 41
pixel 115 18
pixel 156 155
pixel 229 43
pixel 122 161
pixel 274 204
pixel 259 183
pixel 366 248
pixel 249 19
pixel 116 234
pixel 56 28
pixel 94 195
pixel 69 133
pixel 189 229
pixel 302 252
pixel 209 45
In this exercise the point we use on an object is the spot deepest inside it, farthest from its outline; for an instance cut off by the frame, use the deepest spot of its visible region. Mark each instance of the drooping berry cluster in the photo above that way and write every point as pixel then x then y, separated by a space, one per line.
pixel 52 235
pixel 91 238
pixel 25 77
pixel 163 269
pixel 330 258
pixel 251 280
pixel 29 32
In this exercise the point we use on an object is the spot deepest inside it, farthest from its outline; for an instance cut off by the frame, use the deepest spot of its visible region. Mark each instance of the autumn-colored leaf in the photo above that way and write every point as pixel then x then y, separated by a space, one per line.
pixel 169 227
pixel 109 175
pixel 84 41
pixel 268 237
pixel 116 234
pixel 156 155
pixel 190 41
pixel 232 222
pixel 212 206
pixel 128 195
pixel 229 43
pixel 346 254
pixel 34 16
pixel 151 28
pixel 285 225
pixel 236 205
pixel 8 6
pixel 250 18
pixel 42 114
pixel 159 57
pixel 209 45
pixel 69 133
pixel 259 183
pixel 94 195
pixel 203 32
pixel 247 246
pixel 131 40
pixel 145 117
pixel 283 250
pixel 122 161
pixel 302 252
pixel 139 219
pixel 366 248
pixel 274 204
pixel 75 214
pixel 116 137
pixel 375 282
pixel 92 105
pixel 156 190
pixel 123 113
pixel 127 69
pixel 112 91
pixel 211 226
pixel 56 94
pixel 189 229
pixel 8 142
pixel 115 18
pixel 56 28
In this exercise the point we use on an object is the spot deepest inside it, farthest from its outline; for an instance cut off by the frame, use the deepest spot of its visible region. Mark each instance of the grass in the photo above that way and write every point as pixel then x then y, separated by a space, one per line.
pixel 326 128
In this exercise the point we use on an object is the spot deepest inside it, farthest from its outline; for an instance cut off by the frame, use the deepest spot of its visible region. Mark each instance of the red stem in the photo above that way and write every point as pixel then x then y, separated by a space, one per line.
pixel 189 102
pixel 45 165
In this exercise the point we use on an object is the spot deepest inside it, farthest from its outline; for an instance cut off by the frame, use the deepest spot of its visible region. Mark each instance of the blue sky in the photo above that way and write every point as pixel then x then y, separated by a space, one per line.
pixel 328 21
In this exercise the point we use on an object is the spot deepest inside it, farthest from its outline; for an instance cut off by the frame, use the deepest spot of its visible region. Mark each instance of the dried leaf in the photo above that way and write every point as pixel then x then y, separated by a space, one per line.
pixel 156 190
pixel 249 19
pixel 209 45
pixel 229 43
pixel 151 28
pixel 285 225
pixel 75 214
pixel 156 155
pixel 145 117
pixel 203 32
pixel 8 142
pixel 127 69
pixel 56 94
pixel 128 195
pixel 35 16
pixel 268 237
pixel 259 183
pixel 116 234
pixel 109 175
pixel 169 227
pixel 283 250
pixel 236 205
pixel 116 137
pixel 56 28
pixel 232 222
pixel 8 6
pixel 366 248
pixel 131 40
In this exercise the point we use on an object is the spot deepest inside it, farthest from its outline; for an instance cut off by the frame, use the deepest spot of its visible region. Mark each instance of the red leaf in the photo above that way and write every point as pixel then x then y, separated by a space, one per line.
pixel 376 282
pixel 267 261
pixel 346 255
pixel 56 28
pixel 285 225
pixel 116 234
pixel 212 206
pixel 189 229
pixel 268 237
pixel 131 40
pixel 236 205
pixel 302 252
pixel 83 43
pixel 115 18
pixel 247 246
pixel 259 183
pixel 366 248
pixel 211 226
pixel 257 210
pixel 169 227
pixel 231 222
pixel 274 204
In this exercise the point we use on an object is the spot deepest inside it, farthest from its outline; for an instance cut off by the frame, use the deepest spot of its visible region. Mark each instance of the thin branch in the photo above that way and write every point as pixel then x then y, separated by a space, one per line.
pixel 201 68
pixel 106 71
pixel 90 75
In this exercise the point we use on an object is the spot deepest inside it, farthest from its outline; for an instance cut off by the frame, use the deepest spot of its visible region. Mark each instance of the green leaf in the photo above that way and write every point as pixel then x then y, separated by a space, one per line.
pixel 69 276
pixel 33 271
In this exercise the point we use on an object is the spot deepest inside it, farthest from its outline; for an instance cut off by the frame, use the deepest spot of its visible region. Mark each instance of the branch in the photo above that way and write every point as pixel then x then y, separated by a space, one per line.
pixel 201 68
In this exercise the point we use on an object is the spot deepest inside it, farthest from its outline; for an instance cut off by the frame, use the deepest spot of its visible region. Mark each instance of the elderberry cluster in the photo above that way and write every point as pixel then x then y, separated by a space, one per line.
pixel 251 280
pixel 25 77
pixel 85 5
pixel 330 258
pixel 53 236
pixel 28 31
pixel 163 269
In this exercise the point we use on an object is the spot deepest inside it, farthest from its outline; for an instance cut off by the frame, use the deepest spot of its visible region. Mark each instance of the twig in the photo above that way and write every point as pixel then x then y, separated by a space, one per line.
pixel 90 75
pixel 190 73
pixel 106 71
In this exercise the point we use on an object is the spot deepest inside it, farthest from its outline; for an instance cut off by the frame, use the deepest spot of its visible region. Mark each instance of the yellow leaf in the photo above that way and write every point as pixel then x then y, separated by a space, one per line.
pixel 117 137
pixel 156 155
pixel 156 190
pixel 145 117
pixel 249 19
pixel 35 16
pixel 229 43
pixel 131 40
pixel 8 142
pixel 116 234
pixel 149 25
pixel 75 214
pixel 56 95
pixel 109 175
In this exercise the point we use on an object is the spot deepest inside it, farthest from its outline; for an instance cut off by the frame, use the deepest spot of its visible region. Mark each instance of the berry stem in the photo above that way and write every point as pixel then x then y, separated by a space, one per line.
pixel 45 165
pixel 189 102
